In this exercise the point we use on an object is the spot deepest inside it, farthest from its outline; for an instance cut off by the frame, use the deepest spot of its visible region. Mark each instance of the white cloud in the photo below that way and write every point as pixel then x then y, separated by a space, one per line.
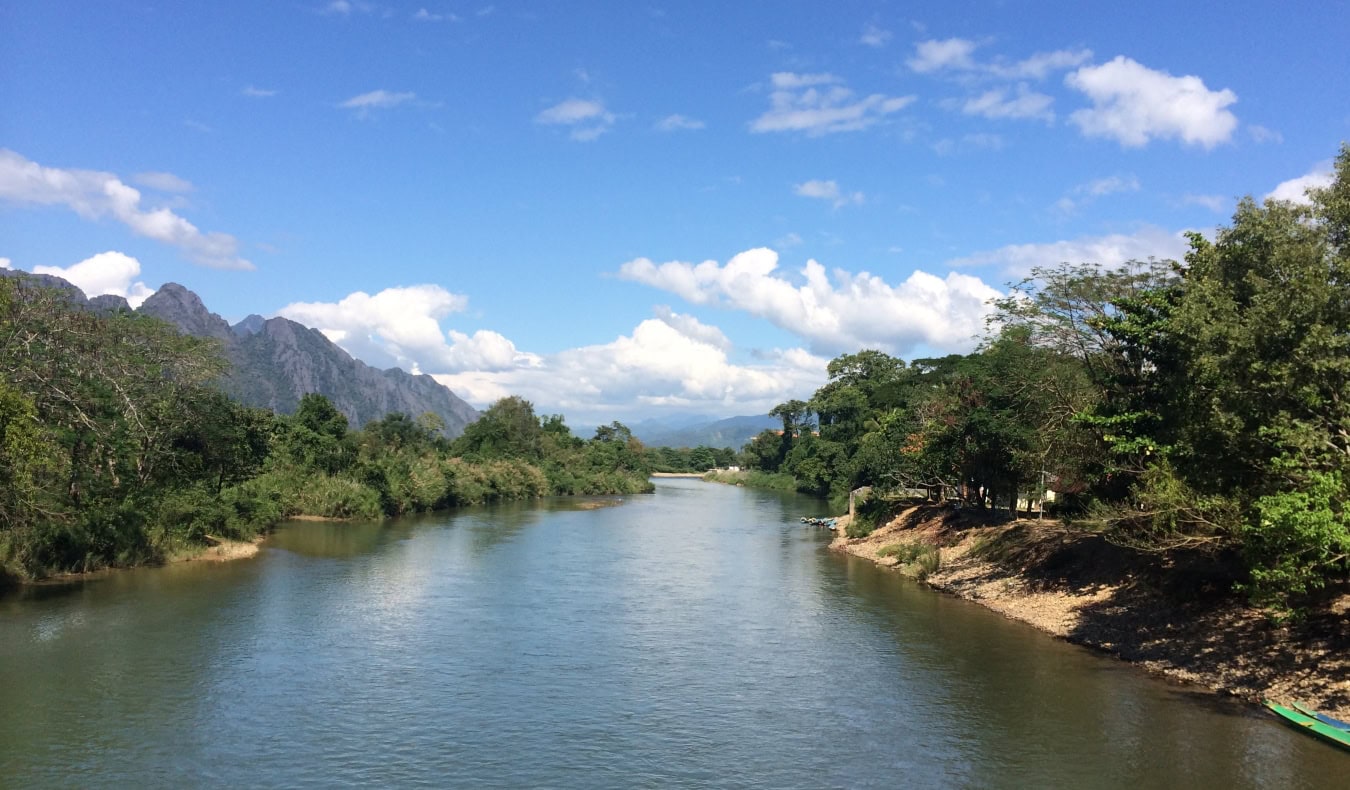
pixel 1295 189
pixel 403 323
pixel 587 118
pixel 953 53
pixel 6 263
pixel 164 182
pixel 671 361
pixel 257 93
pixel 106 273
pixel 1017 260
pixel 381 99
pixel 674 123
pixel 874 36
pixel 819 104
pixel 828 190
pixel 997 103
pixel 1133 104
pixel 691 327
pixel 483 351
pixel 93 194
pixel 833 312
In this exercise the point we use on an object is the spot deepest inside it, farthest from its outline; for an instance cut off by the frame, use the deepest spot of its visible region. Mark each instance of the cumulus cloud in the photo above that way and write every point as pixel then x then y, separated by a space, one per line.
pixel 1134 104
pixel 587 118
pixel 1017 260
pixel 401 323
pixel 6 263
pixel 819 104
pixel 1296 189
pixel 93 195
pixel 675 123
pixel 671 361
pixel 828 190
pixel 366 103
pixel 835 311
pixel 1023 103
pixel 106 273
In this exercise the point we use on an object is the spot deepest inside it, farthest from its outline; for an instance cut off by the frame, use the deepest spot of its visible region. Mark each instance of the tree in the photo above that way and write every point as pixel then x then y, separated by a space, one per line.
pixel 508 429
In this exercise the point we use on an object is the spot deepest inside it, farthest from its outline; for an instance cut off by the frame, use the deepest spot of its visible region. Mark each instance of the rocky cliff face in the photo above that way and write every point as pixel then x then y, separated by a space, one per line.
pixel 275 362
pixel 184 309
pixel 283 360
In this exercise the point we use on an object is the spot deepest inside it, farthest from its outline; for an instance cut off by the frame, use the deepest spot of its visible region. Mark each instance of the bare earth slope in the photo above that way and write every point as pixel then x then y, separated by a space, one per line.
pixel 1179 618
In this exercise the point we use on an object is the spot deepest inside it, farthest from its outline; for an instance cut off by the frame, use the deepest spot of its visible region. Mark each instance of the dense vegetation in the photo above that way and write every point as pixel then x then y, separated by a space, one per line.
pixel 116 447
pixel 691 459
pixel 1202 405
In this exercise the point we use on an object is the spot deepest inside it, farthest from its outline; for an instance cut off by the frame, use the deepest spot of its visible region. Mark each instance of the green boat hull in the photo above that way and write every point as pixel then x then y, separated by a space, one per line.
pixel 1312 726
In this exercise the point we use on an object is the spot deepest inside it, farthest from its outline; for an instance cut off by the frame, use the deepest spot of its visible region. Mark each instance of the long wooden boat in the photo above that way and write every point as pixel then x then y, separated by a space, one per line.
pixel 1322 717
pixel 1312 726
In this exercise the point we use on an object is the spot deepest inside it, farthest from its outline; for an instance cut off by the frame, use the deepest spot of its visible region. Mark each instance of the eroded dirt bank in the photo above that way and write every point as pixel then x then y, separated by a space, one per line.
pixel 1179 618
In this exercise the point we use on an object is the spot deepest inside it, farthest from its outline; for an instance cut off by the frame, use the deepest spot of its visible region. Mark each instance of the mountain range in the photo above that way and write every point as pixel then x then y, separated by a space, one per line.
pixel 731 432
pixel 276 361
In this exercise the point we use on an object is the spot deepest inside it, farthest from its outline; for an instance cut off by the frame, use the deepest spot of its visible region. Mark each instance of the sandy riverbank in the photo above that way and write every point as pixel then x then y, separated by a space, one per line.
pixel 1180 622
pixel 221 550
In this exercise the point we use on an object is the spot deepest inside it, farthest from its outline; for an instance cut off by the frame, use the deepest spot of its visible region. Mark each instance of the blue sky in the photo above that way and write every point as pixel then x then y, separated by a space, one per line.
pixel 623 209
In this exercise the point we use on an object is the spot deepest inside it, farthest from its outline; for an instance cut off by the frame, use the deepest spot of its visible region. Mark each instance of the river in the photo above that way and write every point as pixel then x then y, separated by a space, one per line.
pixel 697 637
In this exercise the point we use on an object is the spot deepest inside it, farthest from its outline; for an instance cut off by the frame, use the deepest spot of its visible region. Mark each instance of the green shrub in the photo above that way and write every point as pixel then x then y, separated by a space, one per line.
pixel 1300 539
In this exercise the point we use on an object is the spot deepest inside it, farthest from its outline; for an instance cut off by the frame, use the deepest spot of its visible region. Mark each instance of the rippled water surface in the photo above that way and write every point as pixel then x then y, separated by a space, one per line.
pixel 698 637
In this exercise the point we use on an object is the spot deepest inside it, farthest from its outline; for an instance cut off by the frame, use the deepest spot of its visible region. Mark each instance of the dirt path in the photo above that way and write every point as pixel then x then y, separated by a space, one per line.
pixel 1182 622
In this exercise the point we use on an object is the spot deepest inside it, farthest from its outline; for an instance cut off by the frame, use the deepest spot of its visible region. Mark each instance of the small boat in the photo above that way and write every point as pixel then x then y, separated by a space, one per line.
pixel 1312 725
pixel 1322 717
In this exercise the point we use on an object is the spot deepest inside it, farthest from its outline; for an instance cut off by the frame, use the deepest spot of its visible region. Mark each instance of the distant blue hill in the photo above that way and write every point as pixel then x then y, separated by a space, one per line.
pixel 731 432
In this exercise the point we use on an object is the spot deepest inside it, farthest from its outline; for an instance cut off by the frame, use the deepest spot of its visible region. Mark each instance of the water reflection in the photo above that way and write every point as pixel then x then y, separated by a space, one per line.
pixel 701 636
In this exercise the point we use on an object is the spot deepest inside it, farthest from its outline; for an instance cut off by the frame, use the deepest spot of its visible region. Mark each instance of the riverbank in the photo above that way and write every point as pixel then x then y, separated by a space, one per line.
pixel 1178 618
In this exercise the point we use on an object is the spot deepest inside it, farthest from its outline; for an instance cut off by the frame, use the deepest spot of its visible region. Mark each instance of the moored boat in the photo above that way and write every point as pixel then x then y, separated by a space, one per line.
pixel 1322 717
pixel 1312 725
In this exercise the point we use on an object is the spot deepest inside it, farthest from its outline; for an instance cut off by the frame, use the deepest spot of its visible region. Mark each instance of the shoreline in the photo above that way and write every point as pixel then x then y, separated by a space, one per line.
pixel 1085 591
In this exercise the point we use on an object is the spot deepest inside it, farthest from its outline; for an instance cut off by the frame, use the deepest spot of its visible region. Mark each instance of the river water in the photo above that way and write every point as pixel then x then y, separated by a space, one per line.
pixel 698 637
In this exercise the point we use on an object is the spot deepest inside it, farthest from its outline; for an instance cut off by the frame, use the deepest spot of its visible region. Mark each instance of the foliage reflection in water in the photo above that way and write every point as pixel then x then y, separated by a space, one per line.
pixel 702 636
